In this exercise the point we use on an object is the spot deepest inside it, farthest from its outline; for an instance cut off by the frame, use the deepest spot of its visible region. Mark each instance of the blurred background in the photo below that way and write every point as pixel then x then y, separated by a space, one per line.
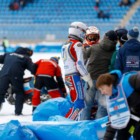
pixel 43 24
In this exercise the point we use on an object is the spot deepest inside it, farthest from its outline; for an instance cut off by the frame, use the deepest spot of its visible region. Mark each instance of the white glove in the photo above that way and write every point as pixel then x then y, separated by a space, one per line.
pixel 88 79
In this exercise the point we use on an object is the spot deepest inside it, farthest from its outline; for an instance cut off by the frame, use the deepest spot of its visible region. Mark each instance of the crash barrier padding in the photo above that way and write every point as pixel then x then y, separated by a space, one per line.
pixel 51 107
pixel 15 131
pixel 53 130
pixel 56 109
pixel 50 48
pixel 54 125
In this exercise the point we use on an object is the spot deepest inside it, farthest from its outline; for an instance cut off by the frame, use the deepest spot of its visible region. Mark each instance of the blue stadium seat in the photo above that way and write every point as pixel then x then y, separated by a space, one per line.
pixel 43 17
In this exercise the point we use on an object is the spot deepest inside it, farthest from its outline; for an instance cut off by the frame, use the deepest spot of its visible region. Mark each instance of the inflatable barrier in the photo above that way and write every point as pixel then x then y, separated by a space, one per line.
pixel 50 124
pixel 51 107
pixel 53 130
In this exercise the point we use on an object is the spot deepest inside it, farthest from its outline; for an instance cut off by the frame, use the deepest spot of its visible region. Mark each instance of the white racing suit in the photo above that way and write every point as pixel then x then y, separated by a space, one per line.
pixel 74 68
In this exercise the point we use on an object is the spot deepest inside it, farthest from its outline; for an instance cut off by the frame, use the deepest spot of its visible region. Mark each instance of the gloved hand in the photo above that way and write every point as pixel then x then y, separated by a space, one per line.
pixel 88 79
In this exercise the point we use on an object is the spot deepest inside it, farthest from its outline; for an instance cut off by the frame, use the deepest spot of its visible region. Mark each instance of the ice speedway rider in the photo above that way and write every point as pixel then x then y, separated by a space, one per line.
pixel 75 69
pixel 49 75
pixel 92 37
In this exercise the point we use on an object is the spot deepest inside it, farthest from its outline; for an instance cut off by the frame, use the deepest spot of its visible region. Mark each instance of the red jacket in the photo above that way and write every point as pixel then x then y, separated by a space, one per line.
pixel 48 67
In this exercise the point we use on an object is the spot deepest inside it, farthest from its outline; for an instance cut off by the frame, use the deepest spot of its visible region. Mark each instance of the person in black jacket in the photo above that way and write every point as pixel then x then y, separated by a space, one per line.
pixel 128 56
pixel 12 73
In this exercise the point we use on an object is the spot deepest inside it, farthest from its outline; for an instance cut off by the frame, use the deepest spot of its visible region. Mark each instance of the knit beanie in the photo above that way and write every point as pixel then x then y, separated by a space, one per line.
pixel 120 32
pixel 133 33
pixel 111 35
pixel 123 39
pixel 55 58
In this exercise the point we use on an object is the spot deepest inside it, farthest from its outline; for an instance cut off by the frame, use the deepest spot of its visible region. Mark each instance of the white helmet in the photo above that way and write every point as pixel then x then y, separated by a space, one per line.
pixel 92 35
pixel 78 29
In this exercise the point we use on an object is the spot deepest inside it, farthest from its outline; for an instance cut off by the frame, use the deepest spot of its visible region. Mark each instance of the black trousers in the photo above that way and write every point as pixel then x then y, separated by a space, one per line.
pixel 17 84
pixel 123 134
pixel 48 82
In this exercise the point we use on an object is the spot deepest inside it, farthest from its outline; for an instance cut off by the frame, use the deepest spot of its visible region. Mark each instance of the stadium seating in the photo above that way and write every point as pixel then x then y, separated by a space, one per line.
pixel 50 19
pixel 135 19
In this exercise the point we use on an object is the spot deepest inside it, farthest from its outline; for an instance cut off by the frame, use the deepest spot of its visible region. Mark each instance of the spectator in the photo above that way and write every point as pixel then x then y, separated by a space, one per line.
pixel 12 73
pixel 97 3
pixel 128 57
pixel 99 59
pixel 125 3
pixel 122 38
pixel 22 3
pixel 46 73
pixel 17 4
pixel 120 31
pixel 5 44
pixel 14 6
pixel 102 14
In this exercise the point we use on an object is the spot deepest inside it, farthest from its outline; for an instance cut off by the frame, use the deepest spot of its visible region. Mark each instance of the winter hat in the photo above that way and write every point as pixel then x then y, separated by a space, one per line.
pixel 111 35
pixel 29 52
pixel 55 58
pixel 133 33
pixel 120 32
pixel 24 51
pixel 123 39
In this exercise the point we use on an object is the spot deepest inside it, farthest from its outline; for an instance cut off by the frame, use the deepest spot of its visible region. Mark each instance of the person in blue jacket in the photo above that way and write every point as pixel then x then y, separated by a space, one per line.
pixel 14 65
pixel 130 84
pixel 128 57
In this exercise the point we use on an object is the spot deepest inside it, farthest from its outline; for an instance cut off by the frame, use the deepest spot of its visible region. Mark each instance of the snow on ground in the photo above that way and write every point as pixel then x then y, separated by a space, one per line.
pixel 7 112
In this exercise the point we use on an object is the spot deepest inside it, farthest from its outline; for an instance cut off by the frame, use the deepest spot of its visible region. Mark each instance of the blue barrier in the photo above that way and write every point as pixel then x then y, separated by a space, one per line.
pixel 51 107
pixel 54 125
pixel 15 131
pixel 51 130
pixel 50 48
